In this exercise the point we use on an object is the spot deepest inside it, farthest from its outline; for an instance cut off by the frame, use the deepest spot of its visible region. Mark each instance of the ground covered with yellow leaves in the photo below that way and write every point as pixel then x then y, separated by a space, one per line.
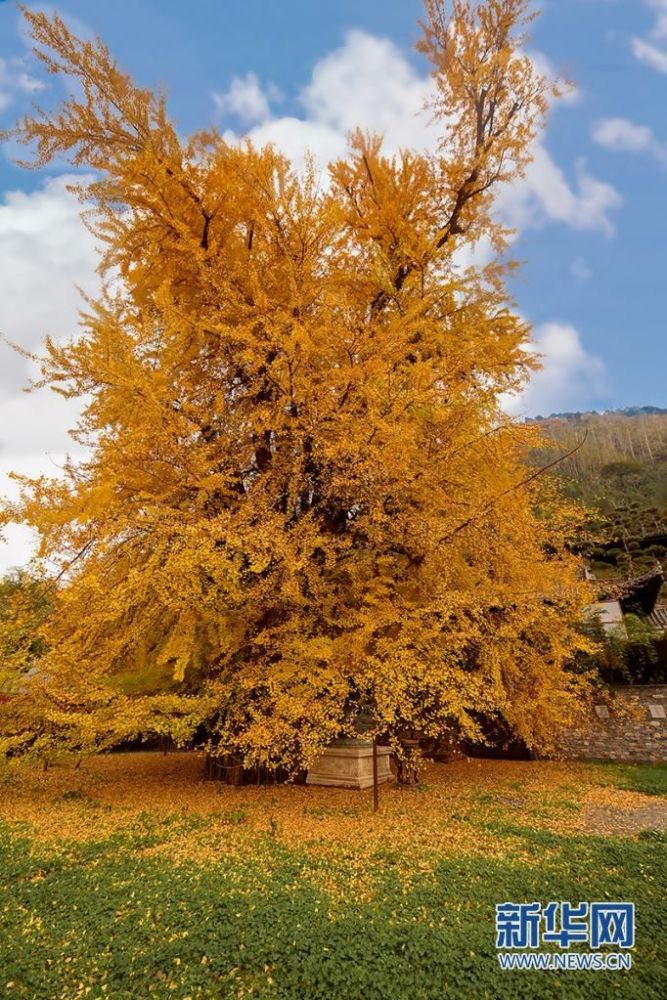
pixel 133 877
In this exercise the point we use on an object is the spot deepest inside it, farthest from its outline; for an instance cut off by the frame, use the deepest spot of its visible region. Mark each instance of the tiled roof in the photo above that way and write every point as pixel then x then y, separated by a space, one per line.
pixel 638 593
pixel 658 618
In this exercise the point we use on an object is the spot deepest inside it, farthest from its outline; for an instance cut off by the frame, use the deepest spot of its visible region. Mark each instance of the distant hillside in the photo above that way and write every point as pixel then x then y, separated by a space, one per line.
pixel 620 472
pixel 628 411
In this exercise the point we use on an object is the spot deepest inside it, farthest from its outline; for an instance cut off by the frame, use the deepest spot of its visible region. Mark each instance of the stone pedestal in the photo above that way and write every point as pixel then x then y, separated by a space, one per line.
pixel 348 763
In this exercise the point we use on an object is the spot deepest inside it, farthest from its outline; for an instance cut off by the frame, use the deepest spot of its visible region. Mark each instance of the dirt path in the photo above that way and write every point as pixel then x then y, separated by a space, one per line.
pixel 622 822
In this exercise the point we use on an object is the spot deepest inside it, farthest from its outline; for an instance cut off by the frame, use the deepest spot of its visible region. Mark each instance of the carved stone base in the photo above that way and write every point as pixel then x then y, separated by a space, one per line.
pixel 349 764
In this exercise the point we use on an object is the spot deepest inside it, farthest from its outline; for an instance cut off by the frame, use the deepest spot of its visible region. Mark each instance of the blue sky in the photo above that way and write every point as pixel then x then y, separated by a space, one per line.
pixel 589 218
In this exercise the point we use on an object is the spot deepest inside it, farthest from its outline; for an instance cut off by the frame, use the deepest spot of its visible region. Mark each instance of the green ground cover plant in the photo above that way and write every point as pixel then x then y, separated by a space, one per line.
pixel 195 904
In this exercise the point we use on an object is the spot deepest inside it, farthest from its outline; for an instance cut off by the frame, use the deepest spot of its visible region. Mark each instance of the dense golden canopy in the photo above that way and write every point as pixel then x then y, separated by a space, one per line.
pixel 302 497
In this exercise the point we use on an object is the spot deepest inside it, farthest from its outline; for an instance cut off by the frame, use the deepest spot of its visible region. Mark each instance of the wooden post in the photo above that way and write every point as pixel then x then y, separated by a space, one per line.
pixel 376 790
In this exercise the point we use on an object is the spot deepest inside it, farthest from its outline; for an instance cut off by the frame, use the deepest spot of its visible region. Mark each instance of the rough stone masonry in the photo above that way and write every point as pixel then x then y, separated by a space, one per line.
pixel 611 733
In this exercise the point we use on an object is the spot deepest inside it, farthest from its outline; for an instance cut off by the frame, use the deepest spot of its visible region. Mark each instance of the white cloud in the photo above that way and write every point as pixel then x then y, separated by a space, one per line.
pixel 659 29
pixel 622 135
pixel 37 423
pixel 46 253
pixel 17 546
pixel 653 50
pixel 14 80
pixel 570 377
pixel 619 133
pixel 366 83
pixel 571 92
pixel 546 196
pixel 369 83
pixel 650 54
pixel 296 137
pixel 245 99
pixel 18 542
pixel 475 255
pixel 580 269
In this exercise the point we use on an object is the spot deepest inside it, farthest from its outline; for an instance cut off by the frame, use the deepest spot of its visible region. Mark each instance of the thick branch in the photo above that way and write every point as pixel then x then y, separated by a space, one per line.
pixel 512 489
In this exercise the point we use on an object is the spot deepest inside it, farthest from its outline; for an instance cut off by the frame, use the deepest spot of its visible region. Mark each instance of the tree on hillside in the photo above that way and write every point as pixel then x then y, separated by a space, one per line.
pixel 618 474
pixel 302 498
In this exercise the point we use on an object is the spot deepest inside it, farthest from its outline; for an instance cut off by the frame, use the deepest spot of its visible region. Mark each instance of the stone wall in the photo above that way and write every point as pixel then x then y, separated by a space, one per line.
pixel 612 734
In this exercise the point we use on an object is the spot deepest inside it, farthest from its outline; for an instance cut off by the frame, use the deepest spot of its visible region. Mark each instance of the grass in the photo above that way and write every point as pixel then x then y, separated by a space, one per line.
pixel 150 883
pixel 650 779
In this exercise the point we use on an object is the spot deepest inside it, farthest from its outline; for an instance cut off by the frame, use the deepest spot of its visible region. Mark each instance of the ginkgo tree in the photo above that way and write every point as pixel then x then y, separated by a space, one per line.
pixel 301 498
